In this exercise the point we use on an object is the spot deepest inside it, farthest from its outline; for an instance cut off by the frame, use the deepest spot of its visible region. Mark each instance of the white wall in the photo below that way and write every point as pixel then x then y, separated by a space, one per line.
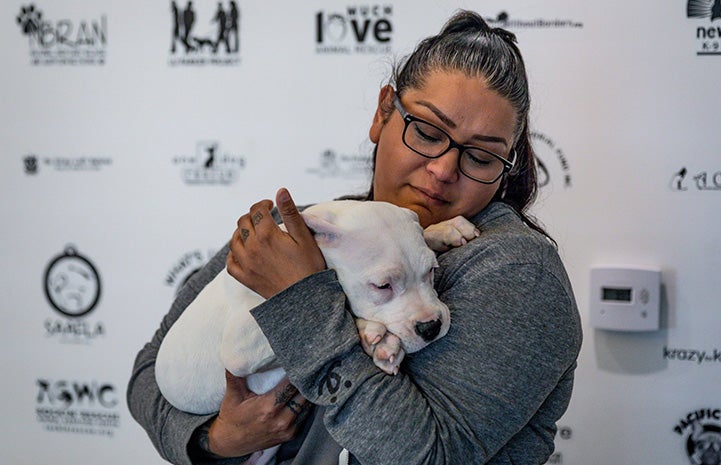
pixel 98 152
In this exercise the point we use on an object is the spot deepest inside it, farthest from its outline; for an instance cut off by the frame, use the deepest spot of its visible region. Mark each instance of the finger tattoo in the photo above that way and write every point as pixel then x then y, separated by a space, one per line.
pixel 294 407
pixel 257 216
pixel 244 233
pixel 286 395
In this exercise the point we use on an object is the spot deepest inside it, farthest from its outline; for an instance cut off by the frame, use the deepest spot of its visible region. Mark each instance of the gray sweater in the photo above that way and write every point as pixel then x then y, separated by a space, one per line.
pixel 489 392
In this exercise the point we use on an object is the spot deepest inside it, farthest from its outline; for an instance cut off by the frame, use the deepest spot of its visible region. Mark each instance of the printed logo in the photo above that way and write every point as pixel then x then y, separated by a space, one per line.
pixel 695 356
pixel 341 165
pixel 90 408
pixel 72 284
pixel 703 436
pixel 699 181
pixel 708 36
pixel 359 29
pixel 332 382
pixel 209 165
pixel 33 164
pixel 553 167
pixel 63 41
pixel 184 269
pixel 504 20
pixel 205 37
pixel 73 289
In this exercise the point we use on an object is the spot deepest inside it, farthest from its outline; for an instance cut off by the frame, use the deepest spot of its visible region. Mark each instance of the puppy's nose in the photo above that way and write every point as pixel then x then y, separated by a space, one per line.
pixel 428 330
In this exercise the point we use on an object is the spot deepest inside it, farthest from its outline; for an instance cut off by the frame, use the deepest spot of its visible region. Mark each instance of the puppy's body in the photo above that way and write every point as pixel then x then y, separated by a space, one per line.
pixel 386 271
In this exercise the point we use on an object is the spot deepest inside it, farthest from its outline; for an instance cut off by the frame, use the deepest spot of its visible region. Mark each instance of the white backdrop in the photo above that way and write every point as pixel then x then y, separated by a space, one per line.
pixel 125 164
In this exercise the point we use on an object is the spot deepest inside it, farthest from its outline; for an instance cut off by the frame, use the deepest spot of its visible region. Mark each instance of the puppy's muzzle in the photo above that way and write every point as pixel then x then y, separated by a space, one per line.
pixel 428 330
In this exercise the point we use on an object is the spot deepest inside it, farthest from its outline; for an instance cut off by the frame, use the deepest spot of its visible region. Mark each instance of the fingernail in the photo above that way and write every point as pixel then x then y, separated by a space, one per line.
pixel 283 195
pixel 476 232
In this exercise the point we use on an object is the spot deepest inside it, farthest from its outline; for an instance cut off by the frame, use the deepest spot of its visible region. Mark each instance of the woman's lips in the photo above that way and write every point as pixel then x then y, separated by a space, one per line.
pixel 432 196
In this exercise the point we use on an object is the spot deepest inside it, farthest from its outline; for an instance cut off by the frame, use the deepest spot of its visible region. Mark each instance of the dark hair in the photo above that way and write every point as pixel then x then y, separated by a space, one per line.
pixel 467 44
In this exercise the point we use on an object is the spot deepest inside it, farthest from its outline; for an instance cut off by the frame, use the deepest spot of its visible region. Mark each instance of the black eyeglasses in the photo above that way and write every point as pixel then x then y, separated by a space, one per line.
pixel 430 141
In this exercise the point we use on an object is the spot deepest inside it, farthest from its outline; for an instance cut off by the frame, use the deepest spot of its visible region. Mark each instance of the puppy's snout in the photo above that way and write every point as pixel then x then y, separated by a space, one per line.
pixel 428 330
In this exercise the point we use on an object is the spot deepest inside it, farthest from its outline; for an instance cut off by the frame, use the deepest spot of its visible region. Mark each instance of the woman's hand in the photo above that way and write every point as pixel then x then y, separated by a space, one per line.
pixel 248 422
pixel 266 259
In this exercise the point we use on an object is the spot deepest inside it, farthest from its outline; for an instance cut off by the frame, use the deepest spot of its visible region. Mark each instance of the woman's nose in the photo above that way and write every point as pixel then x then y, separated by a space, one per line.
pixel 445 167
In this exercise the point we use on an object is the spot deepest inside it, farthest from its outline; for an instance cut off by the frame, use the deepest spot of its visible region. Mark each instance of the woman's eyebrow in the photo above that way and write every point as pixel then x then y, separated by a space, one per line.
pixel 441 116
pixel 452 124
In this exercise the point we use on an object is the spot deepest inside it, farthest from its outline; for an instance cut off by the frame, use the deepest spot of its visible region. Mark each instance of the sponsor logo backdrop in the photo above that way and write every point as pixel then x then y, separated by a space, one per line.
pixel 134 133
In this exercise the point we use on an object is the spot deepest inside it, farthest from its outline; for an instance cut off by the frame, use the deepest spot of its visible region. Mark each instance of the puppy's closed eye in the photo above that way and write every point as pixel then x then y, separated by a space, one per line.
pixel 380 291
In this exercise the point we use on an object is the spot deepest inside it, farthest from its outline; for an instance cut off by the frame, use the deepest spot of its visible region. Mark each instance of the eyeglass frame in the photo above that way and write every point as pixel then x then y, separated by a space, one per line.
pixel 409 118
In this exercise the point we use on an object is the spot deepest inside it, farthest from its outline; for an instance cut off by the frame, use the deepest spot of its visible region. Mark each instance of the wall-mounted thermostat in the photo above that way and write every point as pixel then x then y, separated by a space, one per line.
pixel 625 299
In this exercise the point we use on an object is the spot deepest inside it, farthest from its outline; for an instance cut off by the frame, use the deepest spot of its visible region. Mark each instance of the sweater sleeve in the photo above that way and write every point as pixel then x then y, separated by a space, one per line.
pixel 169 429
pixel 490 391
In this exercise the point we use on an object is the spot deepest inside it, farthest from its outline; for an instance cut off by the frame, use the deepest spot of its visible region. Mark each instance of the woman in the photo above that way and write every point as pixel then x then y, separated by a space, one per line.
pixel 451 139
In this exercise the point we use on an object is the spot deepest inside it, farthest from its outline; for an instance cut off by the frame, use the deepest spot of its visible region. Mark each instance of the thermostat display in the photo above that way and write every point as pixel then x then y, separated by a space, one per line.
pixel 625 299
pixel 614 294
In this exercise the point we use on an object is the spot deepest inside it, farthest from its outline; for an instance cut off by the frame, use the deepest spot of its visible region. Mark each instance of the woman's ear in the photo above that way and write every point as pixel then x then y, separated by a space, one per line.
pixel 383 112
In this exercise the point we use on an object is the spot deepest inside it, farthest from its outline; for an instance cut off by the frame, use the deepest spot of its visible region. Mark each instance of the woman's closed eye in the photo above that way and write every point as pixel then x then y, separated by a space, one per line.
pixel 479 158
pixel 428 134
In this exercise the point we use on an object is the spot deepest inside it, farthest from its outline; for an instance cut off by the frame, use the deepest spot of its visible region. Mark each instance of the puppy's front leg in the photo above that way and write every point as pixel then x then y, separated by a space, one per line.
pixel 385 348
pixel 389 354
pixel 370 333
pixel 448 234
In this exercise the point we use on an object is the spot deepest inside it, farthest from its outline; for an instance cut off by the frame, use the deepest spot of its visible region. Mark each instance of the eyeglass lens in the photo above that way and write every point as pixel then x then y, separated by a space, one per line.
pixel 430 141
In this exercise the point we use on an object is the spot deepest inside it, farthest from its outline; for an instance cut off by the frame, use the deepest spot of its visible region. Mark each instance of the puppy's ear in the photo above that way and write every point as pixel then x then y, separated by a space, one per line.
pixel 411 214
pixel 325 232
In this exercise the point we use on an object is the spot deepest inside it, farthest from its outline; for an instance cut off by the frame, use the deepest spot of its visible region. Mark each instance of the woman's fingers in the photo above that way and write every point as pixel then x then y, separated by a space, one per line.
pixel 267 259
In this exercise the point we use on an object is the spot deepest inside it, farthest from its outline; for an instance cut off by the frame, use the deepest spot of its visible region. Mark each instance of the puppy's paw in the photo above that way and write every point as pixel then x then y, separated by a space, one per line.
pixel 388 354
pixel 370 334
pixel 448 234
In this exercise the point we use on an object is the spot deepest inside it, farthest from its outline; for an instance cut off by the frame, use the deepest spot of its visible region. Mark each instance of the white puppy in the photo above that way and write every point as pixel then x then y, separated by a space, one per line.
pixel 385 268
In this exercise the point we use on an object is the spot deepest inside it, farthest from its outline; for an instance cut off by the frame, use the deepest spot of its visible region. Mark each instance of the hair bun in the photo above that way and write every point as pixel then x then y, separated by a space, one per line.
pixel 470 22
pixel 506 35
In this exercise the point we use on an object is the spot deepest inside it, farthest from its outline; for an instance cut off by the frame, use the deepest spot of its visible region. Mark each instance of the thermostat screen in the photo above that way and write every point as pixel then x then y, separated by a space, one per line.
pixel 616 294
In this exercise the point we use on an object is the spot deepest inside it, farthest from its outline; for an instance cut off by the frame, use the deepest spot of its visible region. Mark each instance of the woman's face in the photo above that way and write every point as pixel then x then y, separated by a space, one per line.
pixel 434 188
